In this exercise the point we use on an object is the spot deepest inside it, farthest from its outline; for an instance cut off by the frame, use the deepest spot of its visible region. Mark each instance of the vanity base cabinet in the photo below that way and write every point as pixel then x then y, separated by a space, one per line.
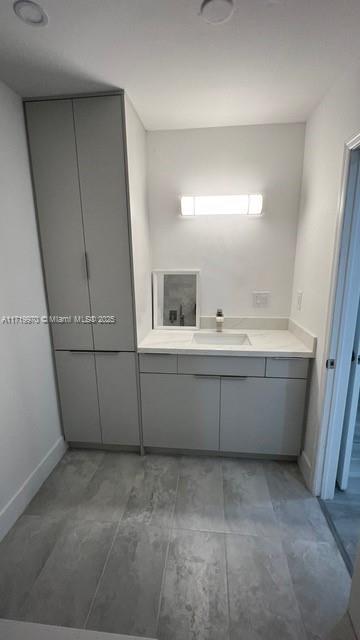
pixel 98 397
pixel 180 411
pixel 262 415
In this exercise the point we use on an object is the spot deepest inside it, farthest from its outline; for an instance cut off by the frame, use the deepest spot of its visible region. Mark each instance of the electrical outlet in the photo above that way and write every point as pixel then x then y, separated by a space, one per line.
pixel 261 299
pixel 299 299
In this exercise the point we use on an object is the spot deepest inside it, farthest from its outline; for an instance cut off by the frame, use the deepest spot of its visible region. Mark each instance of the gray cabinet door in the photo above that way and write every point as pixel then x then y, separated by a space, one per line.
pixel 180 412
pixel 78 396
pixel 117 385
pixel 54 166
pixel 100 145
pixel 262 415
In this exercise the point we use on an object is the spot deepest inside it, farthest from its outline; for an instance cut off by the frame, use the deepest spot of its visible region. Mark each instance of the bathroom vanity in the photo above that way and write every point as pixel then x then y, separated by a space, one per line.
pixel 185 387
pixel 235 393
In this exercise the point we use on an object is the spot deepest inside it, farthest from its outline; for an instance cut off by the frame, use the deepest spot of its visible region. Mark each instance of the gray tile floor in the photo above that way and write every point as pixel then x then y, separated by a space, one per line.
pixel 174 548
pixel 344 514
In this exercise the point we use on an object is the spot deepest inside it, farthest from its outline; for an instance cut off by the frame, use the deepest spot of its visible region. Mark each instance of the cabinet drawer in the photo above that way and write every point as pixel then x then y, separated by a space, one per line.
pixel 221 365
pixel 287 367
pixel 157 363
pixel 262 415
pixel 180 412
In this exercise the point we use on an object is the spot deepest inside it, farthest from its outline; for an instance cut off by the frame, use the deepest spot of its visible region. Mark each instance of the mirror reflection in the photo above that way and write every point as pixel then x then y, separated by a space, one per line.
pixel 175 299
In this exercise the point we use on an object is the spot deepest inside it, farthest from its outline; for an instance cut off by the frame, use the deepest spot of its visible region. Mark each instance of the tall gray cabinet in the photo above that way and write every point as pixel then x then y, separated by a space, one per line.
pixel 78 158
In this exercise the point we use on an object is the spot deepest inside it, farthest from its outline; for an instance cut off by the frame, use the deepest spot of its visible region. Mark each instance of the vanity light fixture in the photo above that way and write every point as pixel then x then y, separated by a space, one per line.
pixel 30 12
pixel 245 205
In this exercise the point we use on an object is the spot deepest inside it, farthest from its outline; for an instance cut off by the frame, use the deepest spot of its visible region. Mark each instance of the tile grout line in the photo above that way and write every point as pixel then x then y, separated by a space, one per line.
pixel 226 556
pixel 351 624
pixel 223 495
pixel 272 502
pixel 336 536
pixel 63 524
pixel 171 531
pixel 227 586
pixel 102 574
pixel 281 541
pixel 235 533
pixel 301 617
pixel 105 564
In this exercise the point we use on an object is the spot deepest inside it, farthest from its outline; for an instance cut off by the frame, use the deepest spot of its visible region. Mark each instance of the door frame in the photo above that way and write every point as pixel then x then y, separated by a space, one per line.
pixel 349 426
pixel 341 325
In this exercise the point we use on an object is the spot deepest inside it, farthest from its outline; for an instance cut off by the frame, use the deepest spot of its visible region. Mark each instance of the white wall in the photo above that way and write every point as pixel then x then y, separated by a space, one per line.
pixel 30 435
pixel 236 255
pixel 335 121
pixel 137 169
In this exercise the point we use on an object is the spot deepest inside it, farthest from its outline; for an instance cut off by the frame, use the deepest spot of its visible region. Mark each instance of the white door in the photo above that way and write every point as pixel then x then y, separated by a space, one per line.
pixel 351 411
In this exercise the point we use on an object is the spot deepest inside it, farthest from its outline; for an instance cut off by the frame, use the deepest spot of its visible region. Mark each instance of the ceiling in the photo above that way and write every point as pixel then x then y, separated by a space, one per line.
pixel 271 63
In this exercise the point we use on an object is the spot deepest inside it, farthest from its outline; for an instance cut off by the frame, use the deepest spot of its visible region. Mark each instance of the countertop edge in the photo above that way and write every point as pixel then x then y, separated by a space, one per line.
pixel 264 353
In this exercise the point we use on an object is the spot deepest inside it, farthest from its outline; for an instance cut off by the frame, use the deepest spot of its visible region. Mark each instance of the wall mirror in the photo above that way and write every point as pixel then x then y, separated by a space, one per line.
pixel 176 299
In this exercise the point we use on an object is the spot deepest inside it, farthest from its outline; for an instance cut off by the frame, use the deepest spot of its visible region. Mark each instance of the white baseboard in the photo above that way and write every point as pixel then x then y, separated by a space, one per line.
pixel 306 470
pixel 18 503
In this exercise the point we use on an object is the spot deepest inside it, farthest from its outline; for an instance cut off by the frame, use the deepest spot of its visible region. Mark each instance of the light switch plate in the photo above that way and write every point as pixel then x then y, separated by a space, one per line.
pixel 261 299
pixel 299 299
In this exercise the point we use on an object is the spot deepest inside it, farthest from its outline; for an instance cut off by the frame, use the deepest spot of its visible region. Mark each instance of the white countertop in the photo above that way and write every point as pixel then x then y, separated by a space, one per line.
pixel 263 343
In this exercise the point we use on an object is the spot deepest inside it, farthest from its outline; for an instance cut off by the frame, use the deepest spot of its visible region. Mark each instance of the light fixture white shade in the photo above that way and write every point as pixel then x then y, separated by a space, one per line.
pixel 255 204
pixel 246 204
pixel 187 206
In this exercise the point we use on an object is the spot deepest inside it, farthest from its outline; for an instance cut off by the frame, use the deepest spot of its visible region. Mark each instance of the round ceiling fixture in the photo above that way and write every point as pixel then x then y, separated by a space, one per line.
pixel 217 11
pixel 30 12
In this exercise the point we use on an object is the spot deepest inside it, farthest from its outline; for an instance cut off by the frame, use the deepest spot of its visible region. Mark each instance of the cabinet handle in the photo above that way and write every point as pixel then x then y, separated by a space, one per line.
pixel 92 351
pixel 110 351
pixel 234 377
pixel 81 350
pixel 206 376
pixel 87 265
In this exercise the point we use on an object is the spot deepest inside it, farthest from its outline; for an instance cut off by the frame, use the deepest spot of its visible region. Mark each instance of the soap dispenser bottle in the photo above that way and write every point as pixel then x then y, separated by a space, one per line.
pixel 219 320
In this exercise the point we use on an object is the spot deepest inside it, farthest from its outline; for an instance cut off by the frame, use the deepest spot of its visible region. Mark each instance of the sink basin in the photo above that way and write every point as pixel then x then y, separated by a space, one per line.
pixel 235 339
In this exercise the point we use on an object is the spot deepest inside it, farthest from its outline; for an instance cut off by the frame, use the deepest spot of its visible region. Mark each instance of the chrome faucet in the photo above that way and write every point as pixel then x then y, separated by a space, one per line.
pixel 219 320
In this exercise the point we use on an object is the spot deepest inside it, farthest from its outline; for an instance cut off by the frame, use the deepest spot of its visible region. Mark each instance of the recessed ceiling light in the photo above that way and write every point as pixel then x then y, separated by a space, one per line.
pixel 217 11
pixel 30 12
